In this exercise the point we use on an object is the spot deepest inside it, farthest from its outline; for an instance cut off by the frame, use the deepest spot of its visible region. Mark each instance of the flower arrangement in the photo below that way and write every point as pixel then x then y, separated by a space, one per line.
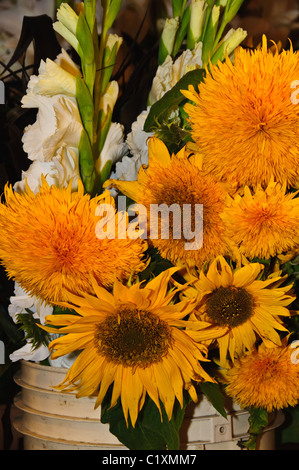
pixel 197 294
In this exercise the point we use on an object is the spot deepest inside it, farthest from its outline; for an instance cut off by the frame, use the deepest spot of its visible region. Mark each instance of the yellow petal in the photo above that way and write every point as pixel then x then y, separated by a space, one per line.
pixel 158 152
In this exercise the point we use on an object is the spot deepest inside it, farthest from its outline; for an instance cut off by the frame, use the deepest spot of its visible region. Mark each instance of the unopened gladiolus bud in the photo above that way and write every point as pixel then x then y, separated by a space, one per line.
pixel 66 34
pixel 198 10
pixel 107 103
pixel 230 42
pixel 67 24
pixel 231 9
pixel 67 16
pixel 215 15
pixel 110 96
pixel 113 39
pixel 110 52
pixel 168 38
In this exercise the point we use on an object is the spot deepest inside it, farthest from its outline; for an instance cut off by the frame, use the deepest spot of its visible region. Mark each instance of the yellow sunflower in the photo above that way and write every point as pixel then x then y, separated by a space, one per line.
pixel 265 378
pixel 235 308
pixel 243 118
pixel 133 338
pixel 48 242
pixel 178 181
pixel 263 223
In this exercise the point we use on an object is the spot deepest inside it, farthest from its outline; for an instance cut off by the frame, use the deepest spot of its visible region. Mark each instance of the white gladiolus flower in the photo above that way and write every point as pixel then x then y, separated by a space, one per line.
pixel 59 172
pixel 58 125
pixel 127 168
pixel 137 138
pixel 114 147
pixel 56 77
pixel 21 301
pixel 27 353
pixel 52 141
pixel 54 80
pixel 169 73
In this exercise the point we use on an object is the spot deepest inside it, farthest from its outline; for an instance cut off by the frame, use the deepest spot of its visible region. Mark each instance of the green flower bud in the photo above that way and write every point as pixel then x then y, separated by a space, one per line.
pixel 67 16
pixel 198 10
pixel 66 25
pixel 230 42
pixel 109 98
pixel 66 34
pixel 168 36
pixel 231 9
pixel 113 44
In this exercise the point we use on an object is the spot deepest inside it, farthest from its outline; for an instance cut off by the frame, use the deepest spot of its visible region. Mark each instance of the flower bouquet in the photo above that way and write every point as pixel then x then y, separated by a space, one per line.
pixel 161 263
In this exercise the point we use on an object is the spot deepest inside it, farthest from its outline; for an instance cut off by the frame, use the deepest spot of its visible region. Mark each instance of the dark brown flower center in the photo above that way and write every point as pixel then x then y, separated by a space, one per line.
pixel 133 338
pixel 230 306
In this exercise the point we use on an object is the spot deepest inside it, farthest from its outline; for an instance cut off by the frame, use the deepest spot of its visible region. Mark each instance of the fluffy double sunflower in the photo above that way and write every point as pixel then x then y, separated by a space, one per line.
pixel 243 118
pixel 48 242
pixel 263 223
pixel 178 181
pixel 265 378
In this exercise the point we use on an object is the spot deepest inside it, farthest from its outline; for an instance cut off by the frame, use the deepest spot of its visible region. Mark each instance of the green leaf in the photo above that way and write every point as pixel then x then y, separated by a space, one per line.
pixel 86 52
pixel 84 36
pixel 90 13
pixel 112 12
pixel 85 105
pixel 86 163
pixel 149 432
pixel 258 420
pixel 160 110
pixel 182 31
pixel 109 58
pixel 105 171
pixel 33 333
pixel 288 433
pixel 214 394
pixel 178 7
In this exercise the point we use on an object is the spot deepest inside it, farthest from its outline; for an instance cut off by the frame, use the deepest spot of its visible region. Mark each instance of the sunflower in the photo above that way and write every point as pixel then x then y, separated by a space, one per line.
pixel 133 338
pixel 178 181
pixel 243 118
pixel 263 222
pixel 48 242
pixel 235 308
pixel 265 378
